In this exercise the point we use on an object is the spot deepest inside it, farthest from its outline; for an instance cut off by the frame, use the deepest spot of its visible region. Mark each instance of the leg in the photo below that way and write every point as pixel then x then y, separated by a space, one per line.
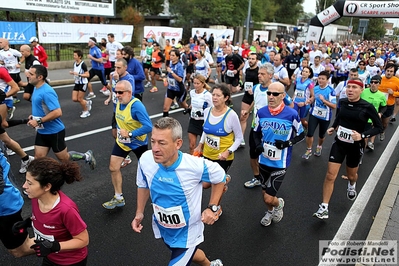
pixel 153 81
pixel 166 106
pixel 81 100
pixel 116 174
pixel 192 139
pixel 63 155
pixel 41 151
pixel 328 186
pixel 200 258
pixel 244 116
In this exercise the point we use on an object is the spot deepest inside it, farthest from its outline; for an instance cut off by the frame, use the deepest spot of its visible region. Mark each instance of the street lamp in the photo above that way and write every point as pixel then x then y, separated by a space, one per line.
pixel 248 18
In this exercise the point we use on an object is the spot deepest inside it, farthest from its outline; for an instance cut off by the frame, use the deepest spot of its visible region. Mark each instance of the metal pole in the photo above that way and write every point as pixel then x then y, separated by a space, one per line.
pixel 248 18
pixel 350 25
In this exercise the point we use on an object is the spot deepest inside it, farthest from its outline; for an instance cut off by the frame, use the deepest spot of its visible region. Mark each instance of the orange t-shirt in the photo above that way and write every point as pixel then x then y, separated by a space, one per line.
pixel 391 83
pixel 167 51
pixel 156 58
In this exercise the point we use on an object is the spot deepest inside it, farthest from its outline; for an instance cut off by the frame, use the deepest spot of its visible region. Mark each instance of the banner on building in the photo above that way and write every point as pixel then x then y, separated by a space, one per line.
pixel 50 32
pixel 17 32
pixel 263 35
pixel 104 8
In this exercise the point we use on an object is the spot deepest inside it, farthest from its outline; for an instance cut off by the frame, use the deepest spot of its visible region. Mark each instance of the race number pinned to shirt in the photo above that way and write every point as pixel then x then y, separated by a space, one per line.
pixel 345 134
pixel 319 112
pixel 293 66
pixel 41 237
pixel 213 142
pixel 123 139
pixel 248 85
pixel 271 152
pixel 171 218
pixel 172 82
pixel 230 73
pixel 299 94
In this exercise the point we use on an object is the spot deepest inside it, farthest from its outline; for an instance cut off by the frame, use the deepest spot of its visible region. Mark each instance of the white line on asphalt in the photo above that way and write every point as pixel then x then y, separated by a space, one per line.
pixel 95 131
pixel 351 220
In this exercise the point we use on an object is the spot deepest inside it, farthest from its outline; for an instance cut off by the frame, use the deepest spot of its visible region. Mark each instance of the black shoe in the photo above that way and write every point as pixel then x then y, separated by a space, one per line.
pixel 393 119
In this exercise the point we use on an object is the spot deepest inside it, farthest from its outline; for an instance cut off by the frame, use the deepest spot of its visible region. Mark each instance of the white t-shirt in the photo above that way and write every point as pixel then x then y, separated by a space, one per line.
pixel 112 48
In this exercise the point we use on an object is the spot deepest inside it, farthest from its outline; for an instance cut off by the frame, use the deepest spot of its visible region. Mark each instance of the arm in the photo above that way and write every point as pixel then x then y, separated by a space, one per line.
pixel 142 196
pixel 14 88
pixel 79 241
pixel 138 110
pixel 56 113
pixel 138 71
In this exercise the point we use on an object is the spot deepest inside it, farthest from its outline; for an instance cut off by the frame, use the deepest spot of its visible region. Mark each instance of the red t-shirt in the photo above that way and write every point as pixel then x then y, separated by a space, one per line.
pixel 40 53
pixel 61 223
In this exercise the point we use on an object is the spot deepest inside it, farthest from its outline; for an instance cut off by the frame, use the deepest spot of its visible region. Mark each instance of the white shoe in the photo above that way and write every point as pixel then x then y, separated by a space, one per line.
pixel 88 105
pixel 85 114
pixel 10 152
pixel 24 164
pixel 11 112
pixel 106 93
pixel 90 96
pixel 148 84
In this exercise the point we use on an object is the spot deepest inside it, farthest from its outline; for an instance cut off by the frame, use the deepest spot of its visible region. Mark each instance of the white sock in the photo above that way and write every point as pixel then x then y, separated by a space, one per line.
pixel 119 196
pixel 351 186
pixel 325 205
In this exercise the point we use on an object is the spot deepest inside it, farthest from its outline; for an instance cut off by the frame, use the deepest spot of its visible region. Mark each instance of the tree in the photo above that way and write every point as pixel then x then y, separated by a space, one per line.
pixel 145 7
pixel 288 11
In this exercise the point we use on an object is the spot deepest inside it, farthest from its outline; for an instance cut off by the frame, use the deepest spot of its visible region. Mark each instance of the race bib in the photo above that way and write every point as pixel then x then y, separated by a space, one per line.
pixel 123 139
pixel 112 53
pixel 145 60
pixel 114 99
pixel 319 112
pixel 40 126
pixel 220 54
pixel 172 82
pixel 41 237
pixel 299 94
pixel 230 73
pixel 271 152
pixel 213 142
pixel 292 66
pixel 197 113
pixel 154 59
pixel 386 95
pixel 345 134
pixel 171 218
pixel 248 86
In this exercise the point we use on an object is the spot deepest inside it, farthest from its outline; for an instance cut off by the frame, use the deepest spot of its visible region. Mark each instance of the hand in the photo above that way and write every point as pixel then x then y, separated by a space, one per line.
pixel 223 156
pixel 106 102
pixel 282 144
pixel 21 227
pixel 209 217
pixel 390 91
pixel 356 136
pixel 136 223
pixel 321 97
pixel 330 131
pixel 259 149
pixel 44 247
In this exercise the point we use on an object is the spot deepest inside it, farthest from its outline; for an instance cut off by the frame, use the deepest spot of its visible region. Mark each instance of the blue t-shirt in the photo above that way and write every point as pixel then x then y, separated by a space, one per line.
pixel 96 53
pixel 319 109
pixel 178 70
pixel 284 126
pixel 45 100
pixel 176 194
pixel 11 200
pixel 135 68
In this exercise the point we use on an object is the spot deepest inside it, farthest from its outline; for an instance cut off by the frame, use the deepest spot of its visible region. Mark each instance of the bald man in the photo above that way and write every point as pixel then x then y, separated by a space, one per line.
pixel 29 60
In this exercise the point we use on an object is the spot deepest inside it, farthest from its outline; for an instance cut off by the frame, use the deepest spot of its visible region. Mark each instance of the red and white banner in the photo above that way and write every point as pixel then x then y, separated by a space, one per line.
pixel 381 9
pixel 51 32
pixel 263 35
pixel 328 15
pixel 176 33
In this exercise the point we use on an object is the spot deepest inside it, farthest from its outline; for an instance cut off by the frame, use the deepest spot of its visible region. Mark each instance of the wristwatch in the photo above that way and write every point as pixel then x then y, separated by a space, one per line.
pixel 363 136
pixel 213 207
pixel 230 152
pixel 171 72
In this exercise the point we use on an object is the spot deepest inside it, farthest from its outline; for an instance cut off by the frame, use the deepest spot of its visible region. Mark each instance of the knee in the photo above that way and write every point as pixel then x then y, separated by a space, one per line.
pixel 269 200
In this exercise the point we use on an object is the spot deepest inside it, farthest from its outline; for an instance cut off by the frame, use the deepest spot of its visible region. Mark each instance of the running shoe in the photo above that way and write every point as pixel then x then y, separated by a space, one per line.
pixel 174 106
pixel 267 219
pixel 113 203
pixel 370 145
pixel 318 151
pixel 393 119
pixel 85 114
pixel 278 212
pixel 16 100
pixel 88 105
pixel 252 183
pixel 106 93
pixel 103 89
pixel 11 112
pixel 91 95
pixel 382 136
pixel 322 213
pixel 24 164
pixel 242 144
pixel 351 192
pixel 216 262
pixel 154 89
pixel 9 152
pixel 148 84
pixel 90 159
pixel 126 161
pixel 226 187
pixel 307 154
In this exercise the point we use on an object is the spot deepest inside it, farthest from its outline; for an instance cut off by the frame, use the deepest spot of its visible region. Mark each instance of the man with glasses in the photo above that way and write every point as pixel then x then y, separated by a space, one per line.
pixel 277 129
pixel 133 125
pixel 378 100
pixel 390 87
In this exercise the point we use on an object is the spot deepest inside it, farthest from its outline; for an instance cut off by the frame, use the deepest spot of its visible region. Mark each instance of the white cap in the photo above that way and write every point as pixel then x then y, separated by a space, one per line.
pixel 235 48
pixel 33 39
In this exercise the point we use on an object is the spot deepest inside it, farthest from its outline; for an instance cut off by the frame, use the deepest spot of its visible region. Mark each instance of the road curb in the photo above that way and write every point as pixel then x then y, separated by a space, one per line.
pixel 384 212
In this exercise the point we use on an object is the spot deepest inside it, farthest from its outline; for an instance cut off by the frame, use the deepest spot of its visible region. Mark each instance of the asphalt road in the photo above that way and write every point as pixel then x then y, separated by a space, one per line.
pixel 237 238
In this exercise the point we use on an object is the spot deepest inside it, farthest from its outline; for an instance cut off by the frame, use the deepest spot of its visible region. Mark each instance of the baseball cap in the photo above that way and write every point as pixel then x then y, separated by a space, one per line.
pixel 33 39
pixel 376 78
pixel 235 48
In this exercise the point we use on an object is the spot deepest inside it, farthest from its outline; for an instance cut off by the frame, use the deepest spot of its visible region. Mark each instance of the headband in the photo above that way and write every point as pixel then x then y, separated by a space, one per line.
pixel 357 82
pixel 90 40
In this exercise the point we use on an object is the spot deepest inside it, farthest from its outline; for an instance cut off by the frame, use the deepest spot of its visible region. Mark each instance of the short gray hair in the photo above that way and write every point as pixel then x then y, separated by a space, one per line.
pixel 172 124
pixel 268 67
pixel 126 84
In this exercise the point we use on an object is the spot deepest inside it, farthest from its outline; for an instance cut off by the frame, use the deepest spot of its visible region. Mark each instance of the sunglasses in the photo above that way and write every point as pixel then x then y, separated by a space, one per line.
pixel 120 92
pixel 361 64
pixel 374 82
pixel 275 94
